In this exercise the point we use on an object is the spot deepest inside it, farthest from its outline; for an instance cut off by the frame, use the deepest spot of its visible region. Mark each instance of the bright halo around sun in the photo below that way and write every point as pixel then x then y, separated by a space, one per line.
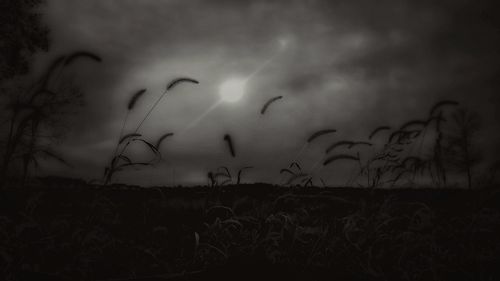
pixel 232 90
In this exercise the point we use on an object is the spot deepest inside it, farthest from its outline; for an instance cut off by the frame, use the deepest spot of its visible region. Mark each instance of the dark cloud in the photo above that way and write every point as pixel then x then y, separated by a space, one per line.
pixel 351 65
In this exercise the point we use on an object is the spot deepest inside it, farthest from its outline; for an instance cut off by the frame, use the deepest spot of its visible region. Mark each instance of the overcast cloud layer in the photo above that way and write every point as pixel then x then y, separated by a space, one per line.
pixel 348 65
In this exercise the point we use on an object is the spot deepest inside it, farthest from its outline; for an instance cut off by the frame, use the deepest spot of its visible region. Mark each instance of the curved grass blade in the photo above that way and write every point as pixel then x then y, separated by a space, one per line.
pixel 377 130
pixel 411 123
pixel 127 136
pixel 268 103
pixel 441 104
pixel 339 157
pixel 55 156
pixel 150 145
pixel 177 81
pixel 225 169
pixel 162 138
pixel 135 98
pixel 81 54
pixel 238 181
pixel 286 171
pixel 229 142
pixel 360 143
pixel 296 177
pixel 295 164
pixel 320 133
pixel 337 144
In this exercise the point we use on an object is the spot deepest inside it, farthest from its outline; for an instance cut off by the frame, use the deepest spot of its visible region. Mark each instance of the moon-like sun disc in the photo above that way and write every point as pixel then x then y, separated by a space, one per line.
pixel 232 90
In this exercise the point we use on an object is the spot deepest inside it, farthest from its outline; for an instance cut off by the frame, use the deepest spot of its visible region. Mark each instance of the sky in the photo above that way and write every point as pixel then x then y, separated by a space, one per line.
pixel 345 65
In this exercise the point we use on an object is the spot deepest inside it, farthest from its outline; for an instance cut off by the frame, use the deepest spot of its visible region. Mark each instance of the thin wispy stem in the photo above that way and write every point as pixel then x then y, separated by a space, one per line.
pixel 150 110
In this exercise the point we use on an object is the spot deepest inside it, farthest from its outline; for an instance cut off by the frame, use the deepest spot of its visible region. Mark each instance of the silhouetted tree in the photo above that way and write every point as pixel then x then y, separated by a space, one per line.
pixel 22 35
pixel 33 109
pixel 459 148
pixel 438 151
pixel 35 112
pixel 34 125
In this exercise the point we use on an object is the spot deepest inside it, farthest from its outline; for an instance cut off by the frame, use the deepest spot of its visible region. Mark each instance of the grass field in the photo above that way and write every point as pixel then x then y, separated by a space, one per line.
pixel 74 231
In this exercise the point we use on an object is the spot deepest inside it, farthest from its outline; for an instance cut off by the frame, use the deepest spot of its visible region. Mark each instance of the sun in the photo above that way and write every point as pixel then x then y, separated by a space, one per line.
pixel 232 90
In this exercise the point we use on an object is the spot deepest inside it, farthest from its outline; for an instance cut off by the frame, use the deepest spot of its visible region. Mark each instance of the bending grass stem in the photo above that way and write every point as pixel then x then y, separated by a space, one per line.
pixel 135 131
pixel 150 110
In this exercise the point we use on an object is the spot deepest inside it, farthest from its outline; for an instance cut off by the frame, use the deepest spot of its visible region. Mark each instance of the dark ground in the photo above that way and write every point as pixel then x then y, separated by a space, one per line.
pixel 68 230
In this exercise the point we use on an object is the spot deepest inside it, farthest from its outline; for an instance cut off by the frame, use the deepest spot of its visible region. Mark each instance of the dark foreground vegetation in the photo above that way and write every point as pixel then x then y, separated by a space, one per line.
pixel 74 231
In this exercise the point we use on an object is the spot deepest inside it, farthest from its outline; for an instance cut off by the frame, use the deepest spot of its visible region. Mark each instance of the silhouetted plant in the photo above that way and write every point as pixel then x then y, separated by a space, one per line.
pixel 222 176
pixel 240 173
pixel 334 158
pixel 23 34
pixel 223 172
pixel 33 115
pixel 295 174
pixel 230 145
pixel 460 152
pixel 268 103
pixel 339 143
pixel 119 160
pixel 320 133
pixel 438 114
pixel 212 179
pixel 377 130
pixel 391 163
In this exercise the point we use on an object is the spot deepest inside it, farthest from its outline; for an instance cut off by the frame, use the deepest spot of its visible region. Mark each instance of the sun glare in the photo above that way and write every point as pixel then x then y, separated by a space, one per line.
pixel 232 90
